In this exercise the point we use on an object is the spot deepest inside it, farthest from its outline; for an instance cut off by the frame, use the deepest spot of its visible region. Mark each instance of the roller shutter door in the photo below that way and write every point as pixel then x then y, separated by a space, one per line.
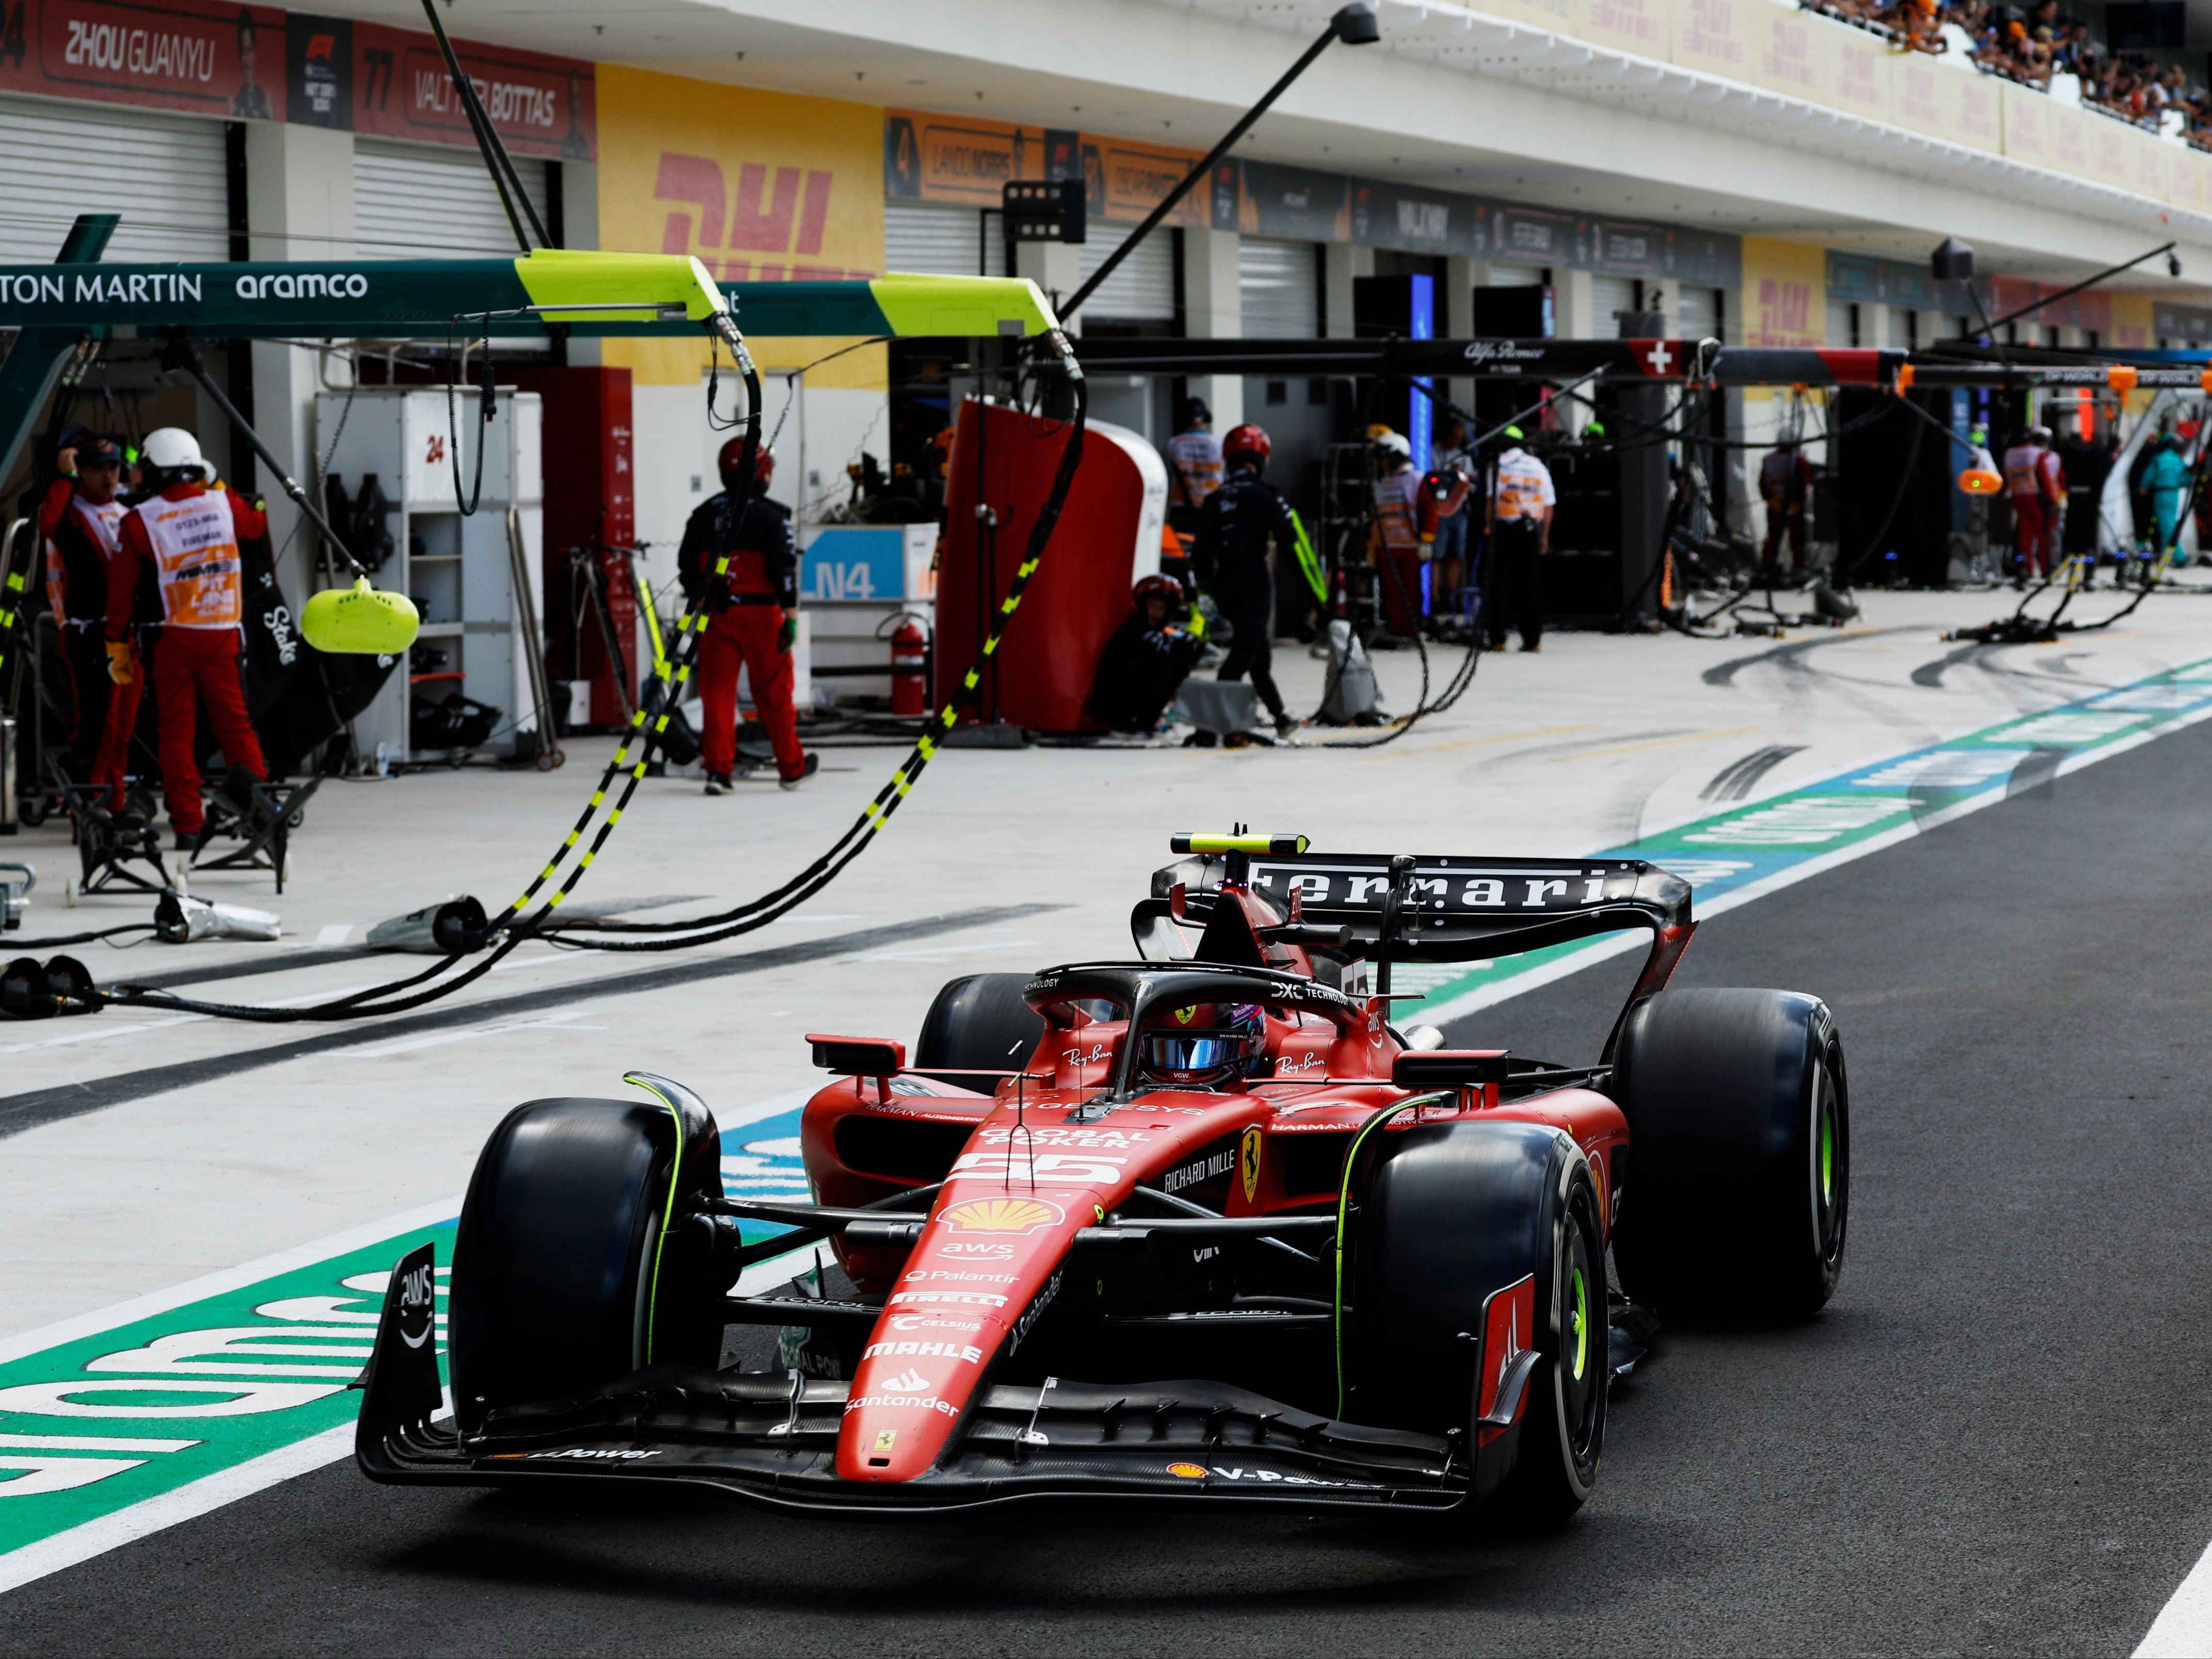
pixel 1698 312
pixel 1610 295
pixel 1142 289
pixel 1279 288
pixel 164 174
pixel 943 241
pixel 421 202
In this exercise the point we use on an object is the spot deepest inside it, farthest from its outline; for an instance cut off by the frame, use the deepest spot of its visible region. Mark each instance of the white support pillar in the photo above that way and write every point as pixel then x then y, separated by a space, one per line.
pixel 1574 309
pixel 299 205
pixel 1213 309
pixel 1341 263
pixel 579 228
pixel 1052 266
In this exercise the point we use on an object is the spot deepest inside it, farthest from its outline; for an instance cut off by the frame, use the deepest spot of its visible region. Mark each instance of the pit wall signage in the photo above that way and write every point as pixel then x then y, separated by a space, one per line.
pixel 236 62
pixel 966 160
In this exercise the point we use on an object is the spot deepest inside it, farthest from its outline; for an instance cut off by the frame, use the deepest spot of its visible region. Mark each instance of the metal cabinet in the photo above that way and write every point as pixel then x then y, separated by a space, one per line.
pixel 458 568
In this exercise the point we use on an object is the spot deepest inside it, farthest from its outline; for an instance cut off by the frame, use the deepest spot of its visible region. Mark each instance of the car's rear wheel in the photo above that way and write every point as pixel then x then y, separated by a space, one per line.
pixel 566 1275
pixel 1738 1186
pixel 1451 1217
pixel 980 1022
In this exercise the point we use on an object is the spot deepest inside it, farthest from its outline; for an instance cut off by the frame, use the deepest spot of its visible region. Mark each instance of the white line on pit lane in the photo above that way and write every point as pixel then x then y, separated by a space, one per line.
pixel 555 1023
pixel 98 1032
pixel 110 1532
pixel 2183 1629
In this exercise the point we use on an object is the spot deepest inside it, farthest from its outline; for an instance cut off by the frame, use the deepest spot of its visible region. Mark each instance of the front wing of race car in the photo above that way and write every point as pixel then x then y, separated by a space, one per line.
pixel 773 1440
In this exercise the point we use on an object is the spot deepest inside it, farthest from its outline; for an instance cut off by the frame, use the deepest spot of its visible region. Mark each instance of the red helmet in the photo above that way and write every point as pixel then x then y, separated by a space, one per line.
pixel 1158 586
pixel 734 451
pixel 1247 440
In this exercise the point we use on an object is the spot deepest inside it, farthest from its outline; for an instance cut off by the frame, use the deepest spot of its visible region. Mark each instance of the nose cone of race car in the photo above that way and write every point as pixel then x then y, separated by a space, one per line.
pixel 987 1264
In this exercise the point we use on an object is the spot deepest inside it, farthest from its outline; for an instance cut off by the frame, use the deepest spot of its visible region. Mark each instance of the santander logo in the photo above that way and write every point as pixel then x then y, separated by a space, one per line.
pixel 910 1381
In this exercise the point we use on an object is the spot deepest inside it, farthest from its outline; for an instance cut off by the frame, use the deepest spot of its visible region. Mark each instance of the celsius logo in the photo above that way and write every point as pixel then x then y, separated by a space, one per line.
pixel 910 1381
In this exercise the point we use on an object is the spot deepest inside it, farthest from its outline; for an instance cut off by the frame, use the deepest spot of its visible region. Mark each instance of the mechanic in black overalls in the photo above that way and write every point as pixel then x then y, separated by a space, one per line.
pixel 1145 660
pixel 1233 528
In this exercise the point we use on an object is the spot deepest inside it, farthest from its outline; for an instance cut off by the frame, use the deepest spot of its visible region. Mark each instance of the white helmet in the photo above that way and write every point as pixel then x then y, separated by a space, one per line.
pixel 171 449
pixel 1391 443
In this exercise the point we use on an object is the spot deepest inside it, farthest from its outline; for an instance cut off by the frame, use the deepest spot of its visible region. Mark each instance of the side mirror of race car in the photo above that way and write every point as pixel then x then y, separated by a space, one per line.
pixel 852 1056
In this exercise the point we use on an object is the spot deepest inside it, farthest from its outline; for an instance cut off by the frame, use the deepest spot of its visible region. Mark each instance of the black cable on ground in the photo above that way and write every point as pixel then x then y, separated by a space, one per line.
pixel 758 912
pixel 8 943
pixel 698 929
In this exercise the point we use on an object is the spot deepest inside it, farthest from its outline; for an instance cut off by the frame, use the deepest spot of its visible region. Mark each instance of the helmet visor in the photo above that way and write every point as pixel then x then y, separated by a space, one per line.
pixel 1186 1054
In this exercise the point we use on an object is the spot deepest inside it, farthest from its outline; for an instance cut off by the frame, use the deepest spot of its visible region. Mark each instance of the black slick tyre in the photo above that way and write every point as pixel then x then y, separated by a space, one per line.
pixel 1452 1215
pixel 565 1274
pixel 980 1022
pixel 1737 1192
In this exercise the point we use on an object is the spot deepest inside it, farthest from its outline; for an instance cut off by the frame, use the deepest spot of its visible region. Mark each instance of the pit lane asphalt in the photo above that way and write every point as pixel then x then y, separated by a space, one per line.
pixel 1996 1438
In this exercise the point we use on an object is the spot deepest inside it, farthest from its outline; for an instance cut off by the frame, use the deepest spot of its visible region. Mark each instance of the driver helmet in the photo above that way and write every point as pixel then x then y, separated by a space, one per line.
pixel 1203 1046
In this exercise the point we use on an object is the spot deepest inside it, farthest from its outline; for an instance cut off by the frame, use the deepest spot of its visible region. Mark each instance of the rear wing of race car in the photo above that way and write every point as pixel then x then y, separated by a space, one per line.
pixel 1444 908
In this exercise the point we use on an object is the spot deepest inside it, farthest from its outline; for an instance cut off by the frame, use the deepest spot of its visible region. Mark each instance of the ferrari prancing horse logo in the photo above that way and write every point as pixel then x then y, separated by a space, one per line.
pixel 1248 1160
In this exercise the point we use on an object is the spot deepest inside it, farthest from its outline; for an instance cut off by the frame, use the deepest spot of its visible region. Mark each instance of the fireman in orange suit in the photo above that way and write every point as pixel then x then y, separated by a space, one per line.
pixel 79 521
pixel 749 617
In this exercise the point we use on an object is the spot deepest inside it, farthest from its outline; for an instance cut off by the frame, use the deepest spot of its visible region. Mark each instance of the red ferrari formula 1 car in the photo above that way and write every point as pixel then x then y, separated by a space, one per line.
pixel 1201 1226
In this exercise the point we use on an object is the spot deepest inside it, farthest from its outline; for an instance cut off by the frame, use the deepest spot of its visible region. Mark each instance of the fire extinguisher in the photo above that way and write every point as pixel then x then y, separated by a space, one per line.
pixel 910 666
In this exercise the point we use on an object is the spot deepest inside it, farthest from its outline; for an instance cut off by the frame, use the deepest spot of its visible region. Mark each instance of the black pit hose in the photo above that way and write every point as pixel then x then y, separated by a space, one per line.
pixel 369 1002
pixel 742 919
pixel 74 939
pixel 759 912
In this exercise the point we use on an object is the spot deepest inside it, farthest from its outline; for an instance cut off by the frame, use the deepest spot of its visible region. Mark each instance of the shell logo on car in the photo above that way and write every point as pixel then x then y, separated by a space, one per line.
pixel 1001 1215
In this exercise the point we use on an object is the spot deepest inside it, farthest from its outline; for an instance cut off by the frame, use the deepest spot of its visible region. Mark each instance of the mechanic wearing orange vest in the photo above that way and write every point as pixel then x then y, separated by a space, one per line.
pixel 1521 501
pixel 747 621
pixel 1397 511
pixel 2036 479
pixel 178 567
pixel 79 521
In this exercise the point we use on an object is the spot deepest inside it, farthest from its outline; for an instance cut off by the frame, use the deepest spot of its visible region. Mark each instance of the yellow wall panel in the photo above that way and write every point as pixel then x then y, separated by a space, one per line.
pixel 762 186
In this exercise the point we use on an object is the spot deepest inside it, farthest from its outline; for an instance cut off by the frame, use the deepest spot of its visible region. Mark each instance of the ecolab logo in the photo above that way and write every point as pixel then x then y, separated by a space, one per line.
pixel 306 285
